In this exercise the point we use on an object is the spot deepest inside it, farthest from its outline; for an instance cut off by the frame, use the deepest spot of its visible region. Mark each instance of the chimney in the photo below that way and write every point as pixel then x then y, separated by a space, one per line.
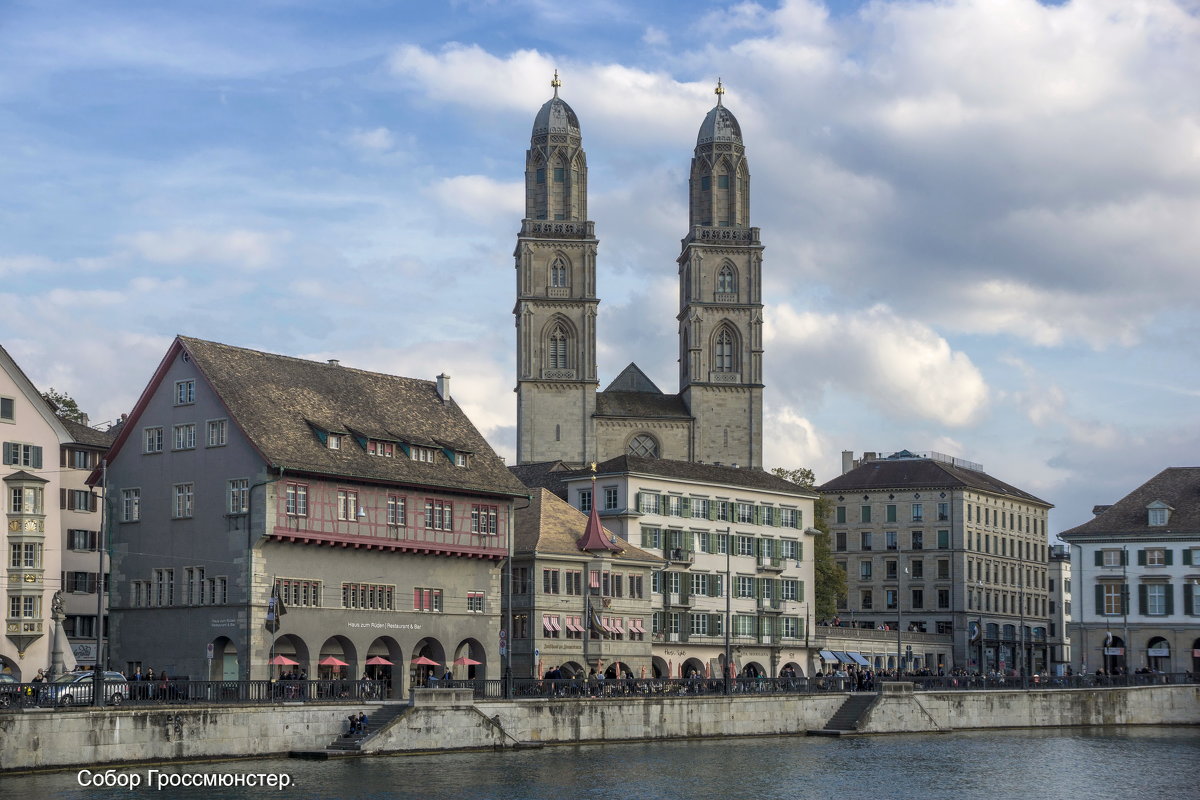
pixel 443 387
pixel 333 362
pixel 847 461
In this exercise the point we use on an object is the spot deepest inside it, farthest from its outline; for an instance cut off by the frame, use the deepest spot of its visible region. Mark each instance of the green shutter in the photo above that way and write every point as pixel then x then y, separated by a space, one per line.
pixel 1099 558
pixel 37 459
pixel 1099 598
pixel 685 506
pixel 1187 558
pixel 1170 556
pixel 777 517
pixel 799 551
pixel 1171 598
pixel 664 505
pixel 1142 599
pixel 1141 558
pixel 1124 557
pixel 645 538
pixel 758 515
pixel 639 501
pixel 689 541
pixel 712 510
pixel 1188 589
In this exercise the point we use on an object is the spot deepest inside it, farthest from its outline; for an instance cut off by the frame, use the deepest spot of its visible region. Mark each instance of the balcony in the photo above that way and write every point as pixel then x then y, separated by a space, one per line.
pixel 582 229
pixel 680 600
pixel 770 564
pixel 770 605
pixel 677 555
pixel 558 292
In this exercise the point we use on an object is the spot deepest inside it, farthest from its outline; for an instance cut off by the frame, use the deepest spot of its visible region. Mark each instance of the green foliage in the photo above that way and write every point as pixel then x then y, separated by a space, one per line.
pixel 65 405
pixel 829 580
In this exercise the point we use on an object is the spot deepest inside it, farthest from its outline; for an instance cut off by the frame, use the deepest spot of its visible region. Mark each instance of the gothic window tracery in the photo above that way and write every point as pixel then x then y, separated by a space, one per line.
pixel 558 273
pixel 727 280
pixel 557 348
pixel 723 351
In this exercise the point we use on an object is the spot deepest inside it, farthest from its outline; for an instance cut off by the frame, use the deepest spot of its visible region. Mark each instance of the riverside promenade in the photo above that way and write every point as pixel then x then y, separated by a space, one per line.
pixel 448 719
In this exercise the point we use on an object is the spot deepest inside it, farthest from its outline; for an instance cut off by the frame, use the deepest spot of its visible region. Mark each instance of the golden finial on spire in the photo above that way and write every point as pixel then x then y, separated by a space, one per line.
pixel 593 472
pixel 556 83
pixel 720 90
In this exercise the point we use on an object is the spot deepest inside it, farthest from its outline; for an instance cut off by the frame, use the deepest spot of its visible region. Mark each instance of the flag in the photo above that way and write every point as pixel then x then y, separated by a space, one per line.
pixel 275 609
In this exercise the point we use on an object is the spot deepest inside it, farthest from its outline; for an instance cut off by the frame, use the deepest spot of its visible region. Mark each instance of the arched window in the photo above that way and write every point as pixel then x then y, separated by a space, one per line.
pixel 727 280
pixel 558 273
pixel 723 352
pixel 556 348
pixel 643 445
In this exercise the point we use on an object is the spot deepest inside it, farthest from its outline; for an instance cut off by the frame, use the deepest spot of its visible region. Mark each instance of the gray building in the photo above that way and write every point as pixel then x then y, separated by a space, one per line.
pixel 716 417
pixel 934 544
pixel 368 505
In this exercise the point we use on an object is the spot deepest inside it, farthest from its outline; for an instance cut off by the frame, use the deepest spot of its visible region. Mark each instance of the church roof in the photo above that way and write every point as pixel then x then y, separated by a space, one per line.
pixel 555 116
pixel 642 405
pixel 719 126
pixel 632 379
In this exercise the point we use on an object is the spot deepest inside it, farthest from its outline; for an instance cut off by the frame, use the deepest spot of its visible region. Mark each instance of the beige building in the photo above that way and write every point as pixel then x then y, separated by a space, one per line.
pixel 32 435
pixel 581 596
pixel 84 557
pixel 1060 608
pixel 933 544
pixel 738 552
pixel 716 417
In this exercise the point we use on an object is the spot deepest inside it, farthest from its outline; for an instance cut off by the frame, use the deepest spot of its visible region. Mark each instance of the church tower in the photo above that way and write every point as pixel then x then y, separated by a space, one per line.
pixel 720 300
pixel 556 295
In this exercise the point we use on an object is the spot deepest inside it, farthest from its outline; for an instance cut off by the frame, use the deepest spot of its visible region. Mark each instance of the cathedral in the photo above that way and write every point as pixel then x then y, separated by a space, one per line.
pixel 562 415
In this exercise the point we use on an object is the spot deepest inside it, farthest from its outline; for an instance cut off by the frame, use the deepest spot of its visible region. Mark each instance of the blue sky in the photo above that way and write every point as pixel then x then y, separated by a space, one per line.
pixel 980 215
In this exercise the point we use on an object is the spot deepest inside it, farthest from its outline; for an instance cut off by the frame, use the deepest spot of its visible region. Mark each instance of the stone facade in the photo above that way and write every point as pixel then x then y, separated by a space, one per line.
pixel 936 545
pixel 561 416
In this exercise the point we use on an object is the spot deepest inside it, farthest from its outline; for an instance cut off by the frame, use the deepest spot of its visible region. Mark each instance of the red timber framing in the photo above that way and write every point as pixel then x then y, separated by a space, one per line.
pixel 321 524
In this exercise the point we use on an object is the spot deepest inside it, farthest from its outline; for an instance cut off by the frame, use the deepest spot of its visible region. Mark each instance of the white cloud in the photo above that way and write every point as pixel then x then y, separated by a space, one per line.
pixel 248 249
pixel 481 198
pixel 374 140
pixel 899 366
pixel 794 442
pixel 655 37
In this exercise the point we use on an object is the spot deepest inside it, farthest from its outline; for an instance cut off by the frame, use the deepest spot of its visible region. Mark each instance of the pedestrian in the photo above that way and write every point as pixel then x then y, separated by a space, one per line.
pixel 362 722
pixel 40 677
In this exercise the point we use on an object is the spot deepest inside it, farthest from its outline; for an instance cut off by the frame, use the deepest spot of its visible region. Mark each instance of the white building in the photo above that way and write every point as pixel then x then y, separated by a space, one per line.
pixel 1059 585
pixel 1136 568
pixel 719 529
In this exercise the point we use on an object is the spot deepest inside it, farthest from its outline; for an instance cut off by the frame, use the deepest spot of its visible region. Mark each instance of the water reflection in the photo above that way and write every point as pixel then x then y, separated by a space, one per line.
pixel 999 765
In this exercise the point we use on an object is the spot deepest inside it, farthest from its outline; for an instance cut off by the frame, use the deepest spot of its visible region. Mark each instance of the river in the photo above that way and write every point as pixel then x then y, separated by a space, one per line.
pixel 1026 764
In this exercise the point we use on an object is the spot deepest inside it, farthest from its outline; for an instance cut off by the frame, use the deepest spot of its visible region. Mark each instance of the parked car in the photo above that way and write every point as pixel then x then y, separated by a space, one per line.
pixel 75 688
pixel 10 690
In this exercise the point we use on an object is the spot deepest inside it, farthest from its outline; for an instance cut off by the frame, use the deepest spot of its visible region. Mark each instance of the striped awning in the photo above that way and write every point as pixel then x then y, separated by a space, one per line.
pixel 827 655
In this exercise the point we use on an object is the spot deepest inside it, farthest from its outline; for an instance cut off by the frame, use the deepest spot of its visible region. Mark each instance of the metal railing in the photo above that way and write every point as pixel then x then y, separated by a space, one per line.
pixel 172 692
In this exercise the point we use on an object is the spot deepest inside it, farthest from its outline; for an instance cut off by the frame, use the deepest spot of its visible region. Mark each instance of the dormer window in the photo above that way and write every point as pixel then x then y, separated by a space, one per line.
pixel 334 442
pixel 425 454
pixel 1158 513
pixel 460 459
pixel 382 449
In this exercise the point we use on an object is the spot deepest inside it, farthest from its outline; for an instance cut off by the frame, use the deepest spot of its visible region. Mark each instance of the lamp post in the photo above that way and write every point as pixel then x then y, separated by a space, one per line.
pixel 979 608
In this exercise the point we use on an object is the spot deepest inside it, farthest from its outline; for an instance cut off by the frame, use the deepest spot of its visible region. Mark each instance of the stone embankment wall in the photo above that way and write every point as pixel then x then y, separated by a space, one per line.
pixel 44 738
pixel 451 720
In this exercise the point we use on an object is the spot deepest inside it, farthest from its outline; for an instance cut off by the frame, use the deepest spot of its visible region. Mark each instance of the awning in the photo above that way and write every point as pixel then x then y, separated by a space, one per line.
pixel 859 659
pixel 636 625
pixel 606 624
pixel 827 655
pixel 616 623
pixel 844 658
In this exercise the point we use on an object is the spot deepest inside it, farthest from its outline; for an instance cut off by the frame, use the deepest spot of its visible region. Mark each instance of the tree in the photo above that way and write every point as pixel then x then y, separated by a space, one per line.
pixel 829 579
pixel 65 405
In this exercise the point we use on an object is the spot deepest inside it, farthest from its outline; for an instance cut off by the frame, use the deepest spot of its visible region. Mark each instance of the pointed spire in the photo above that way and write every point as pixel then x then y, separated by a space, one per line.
pixel 720 90
pixel 556 83
pixel 594 537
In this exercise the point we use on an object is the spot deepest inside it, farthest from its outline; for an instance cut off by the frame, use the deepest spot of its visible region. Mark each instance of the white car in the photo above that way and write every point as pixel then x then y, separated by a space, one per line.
pixel 75 688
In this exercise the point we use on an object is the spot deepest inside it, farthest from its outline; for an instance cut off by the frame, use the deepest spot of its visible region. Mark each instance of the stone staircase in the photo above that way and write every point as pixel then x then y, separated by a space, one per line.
pixel 845 720
pixel 378 718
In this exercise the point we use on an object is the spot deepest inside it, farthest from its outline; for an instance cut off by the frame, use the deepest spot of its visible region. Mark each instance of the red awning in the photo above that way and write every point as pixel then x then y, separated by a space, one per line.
pixel 573 625
pixel 616 624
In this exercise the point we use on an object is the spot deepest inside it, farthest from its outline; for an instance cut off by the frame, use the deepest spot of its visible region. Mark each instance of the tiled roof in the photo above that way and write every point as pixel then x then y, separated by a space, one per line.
pixel 641 404
pixel 702 473
pixel 549 526
pixel 83 434
pixel 546 475
pixel 273 398
pixel 1178 487
pixel 632 379
pixel 920 473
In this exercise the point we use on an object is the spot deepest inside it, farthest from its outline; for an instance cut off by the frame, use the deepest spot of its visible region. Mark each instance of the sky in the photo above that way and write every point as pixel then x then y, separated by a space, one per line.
pixel 981 217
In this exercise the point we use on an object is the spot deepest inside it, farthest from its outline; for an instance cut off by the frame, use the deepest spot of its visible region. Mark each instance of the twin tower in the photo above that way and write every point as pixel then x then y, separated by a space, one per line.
pixel 561 414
